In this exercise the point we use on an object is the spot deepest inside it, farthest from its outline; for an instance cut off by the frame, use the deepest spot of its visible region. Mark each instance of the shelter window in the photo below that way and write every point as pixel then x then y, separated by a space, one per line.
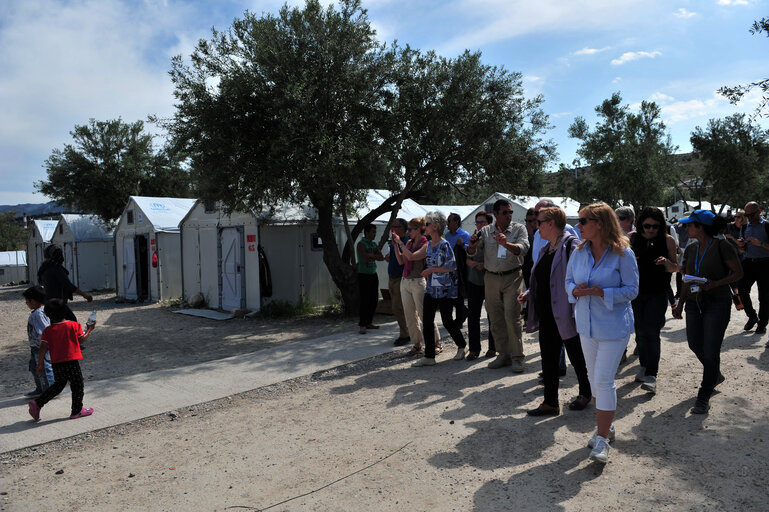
pixel 61 229
pixel 209 206
pixel 488 207
pixel 129 217
pixel 317 243
pixel 674 209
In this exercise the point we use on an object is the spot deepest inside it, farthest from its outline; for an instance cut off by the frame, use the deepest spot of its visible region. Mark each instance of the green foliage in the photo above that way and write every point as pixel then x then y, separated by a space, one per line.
pixel 736 155
pixel 107 162
pixel 630 155
pixel 12 234
pixel 286 309
pixel 735 93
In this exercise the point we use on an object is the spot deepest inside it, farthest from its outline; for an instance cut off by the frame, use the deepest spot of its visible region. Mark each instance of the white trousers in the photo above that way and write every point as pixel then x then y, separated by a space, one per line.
pixel 602 358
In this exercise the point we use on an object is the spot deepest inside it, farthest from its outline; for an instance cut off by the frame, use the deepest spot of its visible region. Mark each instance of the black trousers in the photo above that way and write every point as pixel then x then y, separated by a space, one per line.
pixel 368 289
pixel 475 297
pixel 756 271
pixel 550 345
pixel 68 371
pixel 446 307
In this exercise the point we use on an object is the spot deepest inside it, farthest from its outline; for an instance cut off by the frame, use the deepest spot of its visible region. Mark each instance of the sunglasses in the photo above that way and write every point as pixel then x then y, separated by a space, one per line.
pixel 651 226
pixel 540 222
pixel 412 229
pixel 481 222
pixel 506 212
pixel 585 220
pixel 531 220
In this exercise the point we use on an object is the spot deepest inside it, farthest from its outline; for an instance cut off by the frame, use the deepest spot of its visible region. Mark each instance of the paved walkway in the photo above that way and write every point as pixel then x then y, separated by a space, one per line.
pixel 130 398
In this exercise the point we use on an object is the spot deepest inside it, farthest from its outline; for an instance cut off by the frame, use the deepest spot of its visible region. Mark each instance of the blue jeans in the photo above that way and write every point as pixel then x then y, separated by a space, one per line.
pixel 706 321
pixel 649 313
pixel 44 380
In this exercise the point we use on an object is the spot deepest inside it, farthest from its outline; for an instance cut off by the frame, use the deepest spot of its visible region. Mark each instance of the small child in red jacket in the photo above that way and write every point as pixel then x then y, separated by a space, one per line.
pixel 63 339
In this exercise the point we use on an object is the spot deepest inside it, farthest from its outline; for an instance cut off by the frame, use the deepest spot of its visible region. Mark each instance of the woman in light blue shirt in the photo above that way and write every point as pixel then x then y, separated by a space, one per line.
pixel 602 280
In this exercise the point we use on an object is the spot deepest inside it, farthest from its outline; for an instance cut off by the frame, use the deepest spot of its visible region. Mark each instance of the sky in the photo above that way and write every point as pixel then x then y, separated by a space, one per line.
pixel 64 62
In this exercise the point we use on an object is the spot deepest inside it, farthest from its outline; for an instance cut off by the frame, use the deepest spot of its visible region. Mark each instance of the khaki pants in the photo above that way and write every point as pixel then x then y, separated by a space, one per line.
pixel 505 312
pixel 413 296
pixel 394 285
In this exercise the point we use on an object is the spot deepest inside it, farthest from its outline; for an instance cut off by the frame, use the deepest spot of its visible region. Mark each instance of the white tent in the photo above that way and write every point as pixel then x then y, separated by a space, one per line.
pixel 520 205
pixel 220 257
pixel 13 266
pixel 148 248
pixel 40 233
pixel 89 251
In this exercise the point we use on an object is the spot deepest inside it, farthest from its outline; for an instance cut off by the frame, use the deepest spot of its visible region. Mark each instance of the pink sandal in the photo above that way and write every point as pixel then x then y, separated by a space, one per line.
pixel 34 410
pixel 82 414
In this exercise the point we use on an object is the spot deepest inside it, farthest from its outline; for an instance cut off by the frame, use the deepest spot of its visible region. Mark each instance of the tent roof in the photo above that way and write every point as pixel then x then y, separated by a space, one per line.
pixel 164 213
pixel 86 228
pixel 569 205
pixel 463 210
pixel 13 259
pixel 46 228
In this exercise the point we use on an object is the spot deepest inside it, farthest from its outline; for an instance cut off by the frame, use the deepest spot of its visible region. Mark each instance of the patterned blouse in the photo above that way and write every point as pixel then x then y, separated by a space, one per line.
pixel 441 285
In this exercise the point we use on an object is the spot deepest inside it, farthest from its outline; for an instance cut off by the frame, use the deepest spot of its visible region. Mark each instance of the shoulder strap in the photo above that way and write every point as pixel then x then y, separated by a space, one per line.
pixel 569 248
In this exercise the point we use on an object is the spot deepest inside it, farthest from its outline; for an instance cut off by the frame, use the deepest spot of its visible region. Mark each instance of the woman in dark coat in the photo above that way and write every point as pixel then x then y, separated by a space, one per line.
pixel 54 278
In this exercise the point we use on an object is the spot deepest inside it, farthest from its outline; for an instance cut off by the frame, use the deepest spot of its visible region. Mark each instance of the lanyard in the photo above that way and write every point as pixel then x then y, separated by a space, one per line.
pixel 698 262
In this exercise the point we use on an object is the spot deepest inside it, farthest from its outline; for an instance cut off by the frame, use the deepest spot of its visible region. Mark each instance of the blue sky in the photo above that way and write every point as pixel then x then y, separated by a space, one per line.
pixel 67 61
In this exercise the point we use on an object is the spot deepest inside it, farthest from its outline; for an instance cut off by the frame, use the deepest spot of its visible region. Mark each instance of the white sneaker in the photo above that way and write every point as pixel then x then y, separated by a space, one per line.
pixel 641 375
pixel 425 361
pixel 650 384
pixel 460 355
pixel 601 451
pixel 591 442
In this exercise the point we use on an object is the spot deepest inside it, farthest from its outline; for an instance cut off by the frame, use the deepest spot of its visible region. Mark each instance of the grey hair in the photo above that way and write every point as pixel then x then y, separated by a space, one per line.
pixel 625 211
pixel 547 203
pixel 436 218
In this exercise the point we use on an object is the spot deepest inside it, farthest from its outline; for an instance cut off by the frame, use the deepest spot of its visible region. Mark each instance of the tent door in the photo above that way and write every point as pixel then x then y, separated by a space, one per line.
pixel 230 268
pixel 129 269
pixel 141 255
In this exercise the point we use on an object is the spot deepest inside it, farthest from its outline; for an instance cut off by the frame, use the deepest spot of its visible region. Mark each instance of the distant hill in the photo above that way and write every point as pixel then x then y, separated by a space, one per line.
pixel 36 210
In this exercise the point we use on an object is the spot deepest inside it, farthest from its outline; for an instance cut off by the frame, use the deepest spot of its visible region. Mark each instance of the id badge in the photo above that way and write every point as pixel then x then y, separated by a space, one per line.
pixel 695 288
pixel 501 252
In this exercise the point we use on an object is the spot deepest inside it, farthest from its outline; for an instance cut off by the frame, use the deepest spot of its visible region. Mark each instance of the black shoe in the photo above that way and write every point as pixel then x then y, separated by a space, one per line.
pixel 579 403
pixel 402 341
pixel 761 329
pixel 701 406
pixel 544 410
pixel 751 322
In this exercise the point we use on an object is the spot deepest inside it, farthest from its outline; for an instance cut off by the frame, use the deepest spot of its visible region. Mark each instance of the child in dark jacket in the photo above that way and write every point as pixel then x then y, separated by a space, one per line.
pixel 63 339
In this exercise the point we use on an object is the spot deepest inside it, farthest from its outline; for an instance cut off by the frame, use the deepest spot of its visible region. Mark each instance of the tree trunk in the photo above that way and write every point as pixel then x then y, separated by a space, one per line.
pixel 344 275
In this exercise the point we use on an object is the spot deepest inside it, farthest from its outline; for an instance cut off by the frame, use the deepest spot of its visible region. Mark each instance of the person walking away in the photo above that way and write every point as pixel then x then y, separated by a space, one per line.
pixel 64 338
pixel 707 304
pixel 36 324
pixel 504 244
pixel 602 280
pixel 395 273
pixel 655 253
pixel 54 279
pixel 368 281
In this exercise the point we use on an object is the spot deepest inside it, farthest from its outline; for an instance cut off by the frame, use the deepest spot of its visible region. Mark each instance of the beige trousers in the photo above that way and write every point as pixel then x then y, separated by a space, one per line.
pixel 413 295
pixel 505 312
pixel 394 285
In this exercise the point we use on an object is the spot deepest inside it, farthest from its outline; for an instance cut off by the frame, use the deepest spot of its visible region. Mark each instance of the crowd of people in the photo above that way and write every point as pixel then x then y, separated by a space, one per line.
pixel 584 289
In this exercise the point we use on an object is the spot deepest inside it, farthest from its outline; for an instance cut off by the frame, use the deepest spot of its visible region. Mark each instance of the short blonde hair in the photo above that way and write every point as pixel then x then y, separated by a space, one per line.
pixel 611 231
pixel 419 223
pixel 555 214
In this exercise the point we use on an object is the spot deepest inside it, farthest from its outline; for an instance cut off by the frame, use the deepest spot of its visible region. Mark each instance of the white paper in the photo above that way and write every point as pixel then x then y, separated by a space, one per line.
pixel 694 279
pixel 501 252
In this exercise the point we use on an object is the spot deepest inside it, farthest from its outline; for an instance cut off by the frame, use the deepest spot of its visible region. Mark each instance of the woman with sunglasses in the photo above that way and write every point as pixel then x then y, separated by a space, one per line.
pixel 708 304
pixel 552 314
pixel 413 284
pixel 655 252
pixel 602 279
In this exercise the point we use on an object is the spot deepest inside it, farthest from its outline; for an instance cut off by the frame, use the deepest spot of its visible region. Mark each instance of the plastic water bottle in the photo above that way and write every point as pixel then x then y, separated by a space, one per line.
pixel 91 319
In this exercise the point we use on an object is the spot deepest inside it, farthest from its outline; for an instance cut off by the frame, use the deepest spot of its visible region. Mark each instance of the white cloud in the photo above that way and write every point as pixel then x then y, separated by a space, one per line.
pixel 684 14
pixel 732 2
pixel 617 79
pixel 659 97
pixel 631 56
pixel 590 51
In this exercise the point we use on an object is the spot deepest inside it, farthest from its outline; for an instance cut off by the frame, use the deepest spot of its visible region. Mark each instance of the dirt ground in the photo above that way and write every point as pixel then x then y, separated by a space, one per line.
pixel 380 435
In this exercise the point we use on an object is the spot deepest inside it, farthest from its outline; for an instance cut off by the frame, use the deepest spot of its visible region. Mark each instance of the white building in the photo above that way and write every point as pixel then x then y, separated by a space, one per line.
pixel 13 266
pixel 148 248
pixel 89 251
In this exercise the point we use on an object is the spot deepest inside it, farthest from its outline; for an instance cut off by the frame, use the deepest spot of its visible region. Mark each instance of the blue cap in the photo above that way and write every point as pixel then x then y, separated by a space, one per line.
pixel 705 217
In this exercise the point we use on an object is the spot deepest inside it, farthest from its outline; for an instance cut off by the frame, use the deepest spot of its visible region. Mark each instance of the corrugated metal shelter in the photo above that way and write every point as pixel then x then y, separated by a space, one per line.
pixel 220 257
pixel 13 266
pixel 148 248
pixel 40 233
pixel 89 251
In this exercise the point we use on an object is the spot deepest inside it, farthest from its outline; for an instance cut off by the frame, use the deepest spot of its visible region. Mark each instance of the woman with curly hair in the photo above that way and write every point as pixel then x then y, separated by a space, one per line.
pixel 601 280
